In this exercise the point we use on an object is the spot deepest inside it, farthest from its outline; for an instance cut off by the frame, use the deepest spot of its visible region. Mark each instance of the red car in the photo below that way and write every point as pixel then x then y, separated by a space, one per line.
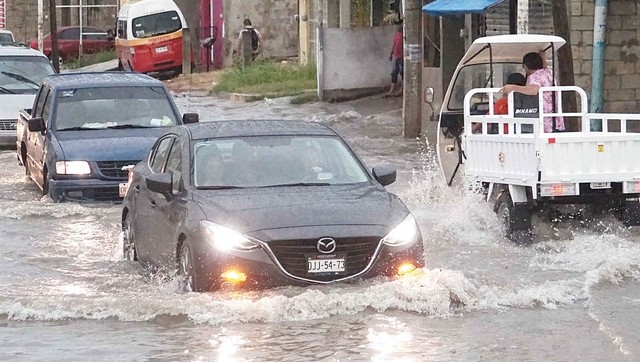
pixel 94 40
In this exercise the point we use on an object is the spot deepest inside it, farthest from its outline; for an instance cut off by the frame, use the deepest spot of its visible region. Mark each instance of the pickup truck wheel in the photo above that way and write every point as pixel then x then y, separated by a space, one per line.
pixel 129 251
pixel 23 152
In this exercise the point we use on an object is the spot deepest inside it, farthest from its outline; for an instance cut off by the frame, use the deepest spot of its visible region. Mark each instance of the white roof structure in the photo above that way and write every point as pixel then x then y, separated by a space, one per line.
pixel 509 48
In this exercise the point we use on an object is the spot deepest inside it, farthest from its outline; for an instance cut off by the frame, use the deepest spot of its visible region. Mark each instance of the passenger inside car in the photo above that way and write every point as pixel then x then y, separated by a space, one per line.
pixel 209 167
pixel 239 171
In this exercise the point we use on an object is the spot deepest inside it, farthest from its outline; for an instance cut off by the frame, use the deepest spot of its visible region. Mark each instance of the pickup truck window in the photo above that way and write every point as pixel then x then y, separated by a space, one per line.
pixel 113 107
pixel 160 155
pixel 46 111
pixel 42 96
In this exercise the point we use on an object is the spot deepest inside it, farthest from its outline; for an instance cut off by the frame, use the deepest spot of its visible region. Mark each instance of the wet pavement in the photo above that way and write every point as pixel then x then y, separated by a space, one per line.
pixel 66 294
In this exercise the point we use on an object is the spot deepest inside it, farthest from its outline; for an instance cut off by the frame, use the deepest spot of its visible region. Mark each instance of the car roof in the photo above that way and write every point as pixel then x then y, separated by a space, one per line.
pixel 248 128
pixel 19 50
pixel 99 79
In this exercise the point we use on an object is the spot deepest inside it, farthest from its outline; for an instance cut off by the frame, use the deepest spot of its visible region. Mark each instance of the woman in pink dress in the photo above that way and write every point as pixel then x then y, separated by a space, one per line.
pixel 538 75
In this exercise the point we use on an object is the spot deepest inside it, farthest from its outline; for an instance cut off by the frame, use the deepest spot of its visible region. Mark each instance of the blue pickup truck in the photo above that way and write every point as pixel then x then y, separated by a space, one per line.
pixel 86 129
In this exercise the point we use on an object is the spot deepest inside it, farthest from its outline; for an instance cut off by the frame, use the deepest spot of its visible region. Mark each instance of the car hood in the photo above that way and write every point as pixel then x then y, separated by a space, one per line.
pixel 251 210
pixel 107 144
pixel 11 104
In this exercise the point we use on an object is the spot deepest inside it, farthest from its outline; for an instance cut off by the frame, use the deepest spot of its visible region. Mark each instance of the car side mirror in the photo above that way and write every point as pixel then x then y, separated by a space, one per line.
pixel 384 175
pixel 36 124
pixel 161 183
pixel 190 118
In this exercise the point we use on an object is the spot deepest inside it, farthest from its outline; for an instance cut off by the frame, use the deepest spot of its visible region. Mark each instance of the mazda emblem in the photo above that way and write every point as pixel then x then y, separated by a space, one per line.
pixel 326 245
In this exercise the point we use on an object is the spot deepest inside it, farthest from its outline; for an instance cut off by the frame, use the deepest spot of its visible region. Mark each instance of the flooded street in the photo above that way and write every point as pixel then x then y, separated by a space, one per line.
pixel 574 294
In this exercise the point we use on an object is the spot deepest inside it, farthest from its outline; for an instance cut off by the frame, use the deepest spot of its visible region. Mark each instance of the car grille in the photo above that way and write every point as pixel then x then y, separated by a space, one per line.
pixel 8 125
pixel 292 255
pixel 113 169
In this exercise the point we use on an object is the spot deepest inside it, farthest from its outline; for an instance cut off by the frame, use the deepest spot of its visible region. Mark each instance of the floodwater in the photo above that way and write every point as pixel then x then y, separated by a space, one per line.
pixel 574 294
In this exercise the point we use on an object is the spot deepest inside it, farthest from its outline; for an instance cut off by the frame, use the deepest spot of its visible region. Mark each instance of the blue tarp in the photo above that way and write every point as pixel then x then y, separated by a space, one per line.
pixel 456 7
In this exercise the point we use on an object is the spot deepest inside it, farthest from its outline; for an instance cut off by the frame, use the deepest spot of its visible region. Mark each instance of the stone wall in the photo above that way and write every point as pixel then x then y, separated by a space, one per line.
pixel 622 52
pixel 275 19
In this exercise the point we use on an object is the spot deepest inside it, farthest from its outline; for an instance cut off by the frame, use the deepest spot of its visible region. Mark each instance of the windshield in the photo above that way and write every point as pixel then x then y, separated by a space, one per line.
pixel 480 76
pixel 113 107
pixel 6 38
pixel 23 74
pixel 274 161
pixel 156 24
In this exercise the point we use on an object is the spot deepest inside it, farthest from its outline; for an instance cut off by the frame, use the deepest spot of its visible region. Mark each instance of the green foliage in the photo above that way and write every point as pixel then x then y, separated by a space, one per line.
pixel 268 77
pixel 89 59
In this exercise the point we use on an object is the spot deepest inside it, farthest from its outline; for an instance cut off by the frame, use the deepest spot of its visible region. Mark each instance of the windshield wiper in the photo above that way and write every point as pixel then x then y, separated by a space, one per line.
pixel 219 187
pixel 300 184
pixel 126 126
pixel 21 78
pixel 7 91
pixel 76 129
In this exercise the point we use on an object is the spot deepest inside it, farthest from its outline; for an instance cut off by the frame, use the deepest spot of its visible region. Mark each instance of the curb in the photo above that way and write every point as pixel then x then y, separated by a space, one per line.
pixel 253 97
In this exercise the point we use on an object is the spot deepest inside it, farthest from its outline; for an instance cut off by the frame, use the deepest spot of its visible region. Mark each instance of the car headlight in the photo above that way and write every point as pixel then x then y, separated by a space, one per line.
pixel 72 168
pixel 225 239
pixel 406 232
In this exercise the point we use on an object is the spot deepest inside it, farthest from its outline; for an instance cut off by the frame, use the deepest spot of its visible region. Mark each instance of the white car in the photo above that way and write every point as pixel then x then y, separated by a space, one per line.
pixel 21 72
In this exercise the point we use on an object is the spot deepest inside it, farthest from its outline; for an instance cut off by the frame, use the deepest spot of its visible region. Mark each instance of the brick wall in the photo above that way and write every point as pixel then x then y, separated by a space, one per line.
pixel 622 52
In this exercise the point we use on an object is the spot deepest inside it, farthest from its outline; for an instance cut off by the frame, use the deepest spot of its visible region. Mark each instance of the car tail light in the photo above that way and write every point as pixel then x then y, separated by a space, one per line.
pixel 561 189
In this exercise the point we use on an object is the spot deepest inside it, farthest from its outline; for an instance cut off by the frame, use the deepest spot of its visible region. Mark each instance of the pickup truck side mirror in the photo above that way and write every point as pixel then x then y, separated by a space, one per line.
pixel 160 183
pixel 384 175
pixel 190 118
pixel 36 124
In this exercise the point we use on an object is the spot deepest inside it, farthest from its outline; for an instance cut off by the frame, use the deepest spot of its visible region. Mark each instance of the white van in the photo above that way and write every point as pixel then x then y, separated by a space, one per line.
pixel 149 36
pixel 21 72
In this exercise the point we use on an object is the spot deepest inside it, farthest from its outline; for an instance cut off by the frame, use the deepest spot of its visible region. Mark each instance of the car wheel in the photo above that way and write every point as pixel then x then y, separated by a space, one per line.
pixel 129 251
pixel 186 269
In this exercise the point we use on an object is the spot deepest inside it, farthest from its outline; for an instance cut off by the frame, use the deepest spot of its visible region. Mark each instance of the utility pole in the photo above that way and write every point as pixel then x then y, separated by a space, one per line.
pixel 412 78
pixel 54 36
pixel 565 57
pixel 40 23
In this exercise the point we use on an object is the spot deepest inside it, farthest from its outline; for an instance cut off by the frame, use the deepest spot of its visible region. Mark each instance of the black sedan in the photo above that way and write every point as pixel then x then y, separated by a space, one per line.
pixel 263 204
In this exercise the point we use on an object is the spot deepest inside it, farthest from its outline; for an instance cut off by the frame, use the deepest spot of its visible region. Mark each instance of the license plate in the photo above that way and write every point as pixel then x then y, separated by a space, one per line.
pixel 600 185
pixel 328 265
pixel 122 189
pixel 162 49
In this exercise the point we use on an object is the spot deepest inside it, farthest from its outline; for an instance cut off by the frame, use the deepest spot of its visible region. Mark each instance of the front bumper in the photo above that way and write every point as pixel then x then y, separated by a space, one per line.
pixel 85 190
pixel 263 270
